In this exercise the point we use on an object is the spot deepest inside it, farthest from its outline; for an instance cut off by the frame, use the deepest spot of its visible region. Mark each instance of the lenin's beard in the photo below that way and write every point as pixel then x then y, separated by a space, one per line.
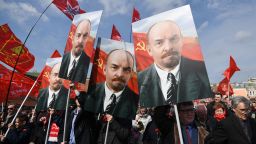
pixel 118 84
pixel 172 59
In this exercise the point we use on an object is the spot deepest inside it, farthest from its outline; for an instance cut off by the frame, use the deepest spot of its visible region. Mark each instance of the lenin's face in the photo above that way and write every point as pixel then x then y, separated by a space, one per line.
pixel 165 44
pixel 80 38
pixel 118 70
pixel 55 81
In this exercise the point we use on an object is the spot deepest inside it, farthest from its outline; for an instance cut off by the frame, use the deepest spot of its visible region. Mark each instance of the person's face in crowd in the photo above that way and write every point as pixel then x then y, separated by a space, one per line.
pixel 19 123
pixel 54 80
pixel 241 111
pixel 219 111
pixel 118 70
pixel 143 111
pixel 80 38
pixel 254 105
pixel 165 44
pixel 217 98
pixel 186 114
pixel 11 109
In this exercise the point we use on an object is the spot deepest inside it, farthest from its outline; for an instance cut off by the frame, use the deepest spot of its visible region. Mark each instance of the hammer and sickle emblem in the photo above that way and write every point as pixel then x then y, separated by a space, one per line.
pixel 46 74
pixel 99 62
pixel 71 35
pixel 140 46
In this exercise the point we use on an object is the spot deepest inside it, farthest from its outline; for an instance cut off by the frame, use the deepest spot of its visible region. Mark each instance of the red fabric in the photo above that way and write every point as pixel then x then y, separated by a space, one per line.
pixel 231 69
pixel 20 85
pixel 223 87
pixel 10 47
pixel 69 7
pixel 135 15
pixel 115 35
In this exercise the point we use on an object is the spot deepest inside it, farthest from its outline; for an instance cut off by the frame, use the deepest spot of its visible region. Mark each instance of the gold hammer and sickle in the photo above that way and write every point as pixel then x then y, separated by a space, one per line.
pixel 140 46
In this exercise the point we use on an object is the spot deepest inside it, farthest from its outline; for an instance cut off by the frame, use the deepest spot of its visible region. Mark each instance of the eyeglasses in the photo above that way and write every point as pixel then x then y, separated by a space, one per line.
pixel 187 110
pixel 246 111
pixel 10 108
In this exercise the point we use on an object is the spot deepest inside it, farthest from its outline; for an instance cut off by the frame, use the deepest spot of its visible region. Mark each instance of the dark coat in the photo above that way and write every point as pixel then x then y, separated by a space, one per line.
pixel 60 103
pixel 193 84
pixel 19 136
pixel 230 131
pixel 40 129
pixel 81 69
pixel 85 127
pixel 125 108
pixel 119 131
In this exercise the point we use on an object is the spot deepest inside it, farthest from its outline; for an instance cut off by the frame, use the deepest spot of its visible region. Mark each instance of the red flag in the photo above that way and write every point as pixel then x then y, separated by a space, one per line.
pixel 20 85
pixel 232 68
pixel 223 87
pixel 10 47
pixel 135 15
pixel 115 35
pixel 69 7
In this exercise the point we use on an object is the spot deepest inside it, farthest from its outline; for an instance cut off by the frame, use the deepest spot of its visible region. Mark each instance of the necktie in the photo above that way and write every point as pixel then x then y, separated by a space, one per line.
pixel 188 135
pixel 52 103
pixel 111 106
pixel 71 72
pixel 172 90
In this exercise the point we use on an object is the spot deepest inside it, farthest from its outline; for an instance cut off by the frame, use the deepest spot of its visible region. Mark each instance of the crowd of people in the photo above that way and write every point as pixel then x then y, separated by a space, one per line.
pixel 221 121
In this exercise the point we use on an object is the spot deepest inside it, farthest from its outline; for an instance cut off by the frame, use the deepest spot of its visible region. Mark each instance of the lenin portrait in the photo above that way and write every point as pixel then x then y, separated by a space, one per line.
pixel 175 70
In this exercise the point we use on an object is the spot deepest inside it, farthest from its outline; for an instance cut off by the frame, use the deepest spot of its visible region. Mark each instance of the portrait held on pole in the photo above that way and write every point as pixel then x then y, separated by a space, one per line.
pixel 113 88
pixel 80 47
pixel 170 64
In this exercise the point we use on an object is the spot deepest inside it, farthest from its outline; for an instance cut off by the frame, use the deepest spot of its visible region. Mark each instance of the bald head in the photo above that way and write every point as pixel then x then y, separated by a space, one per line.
pixel 165 44
pixel 80 37
pixel 118 69
pixel 55 81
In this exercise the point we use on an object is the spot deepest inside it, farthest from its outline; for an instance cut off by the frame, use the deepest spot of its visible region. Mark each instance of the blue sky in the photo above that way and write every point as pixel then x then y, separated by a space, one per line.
pixel 224 27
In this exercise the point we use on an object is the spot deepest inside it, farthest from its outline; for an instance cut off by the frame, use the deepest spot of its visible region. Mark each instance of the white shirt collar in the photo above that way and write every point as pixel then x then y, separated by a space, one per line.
pixel 163 74
pixel 72 58
pixel 50 95
pixel 108 94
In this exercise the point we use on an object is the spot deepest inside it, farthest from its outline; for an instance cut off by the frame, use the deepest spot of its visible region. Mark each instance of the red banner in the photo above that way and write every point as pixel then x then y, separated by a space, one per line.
pixel 232 68
pixel 10 47
pixel 69 7
pixel 115 35
pixel 20 84
pixel 135 15
pixel 225 88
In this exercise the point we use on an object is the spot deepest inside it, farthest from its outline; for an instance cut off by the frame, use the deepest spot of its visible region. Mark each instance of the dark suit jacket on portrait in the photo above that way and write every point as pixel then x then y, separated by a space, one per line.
pixel 193 84
pixel 81 70
pixel 60 103
pixel 126 106
pixel 39 130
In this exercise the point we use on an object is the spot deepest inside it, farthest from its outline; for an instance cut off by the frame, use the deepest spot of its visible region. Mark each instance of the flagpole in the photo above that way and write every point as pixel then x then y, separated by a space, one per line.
pixel 66 114
pixel 16 63
pixel 23 102
pixel 178 123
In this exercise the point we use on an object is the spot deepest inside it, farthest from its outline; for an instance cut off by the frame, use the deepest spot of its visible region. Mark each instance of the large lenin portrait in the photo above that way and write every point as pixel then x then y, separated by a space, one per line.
pixel 76 63
pixel 169 60
pixel 113 87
